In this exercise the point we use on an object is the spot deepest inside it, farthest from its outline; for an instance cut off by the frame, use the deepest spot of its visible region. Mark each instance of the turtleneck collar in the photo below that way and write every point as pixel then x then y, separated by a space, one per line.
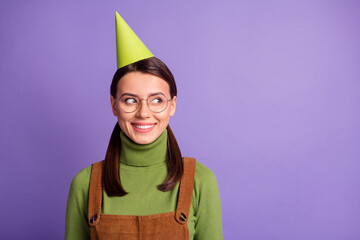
pixel 143 155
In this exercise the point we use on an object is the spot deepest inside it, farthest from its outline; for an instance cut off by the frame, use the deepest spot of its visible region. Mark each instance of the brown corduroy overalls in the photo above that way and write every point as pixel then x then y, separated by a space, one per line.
pixel 164 226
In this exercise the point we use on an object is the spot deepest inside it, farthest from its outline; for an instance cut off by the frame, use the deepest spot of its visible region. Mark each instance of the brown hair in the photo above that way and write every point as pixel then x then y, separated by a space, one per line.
pixel 111 176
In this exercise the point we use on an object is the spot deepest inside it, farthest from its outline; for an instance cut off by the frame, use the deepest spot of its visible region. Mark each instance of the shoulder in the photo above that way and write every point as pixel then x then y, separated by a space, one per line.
pixel 206 190
pixel 203 174
pixel 76 223
pixel 205 183
pixel 81 181
pixel 206 204
pixel 83 176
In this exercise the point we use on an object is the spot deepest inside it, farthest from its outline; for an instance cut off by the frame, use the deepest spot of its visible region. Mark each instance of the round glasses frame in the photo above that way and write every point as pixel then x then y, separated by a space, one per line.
pixel 147 101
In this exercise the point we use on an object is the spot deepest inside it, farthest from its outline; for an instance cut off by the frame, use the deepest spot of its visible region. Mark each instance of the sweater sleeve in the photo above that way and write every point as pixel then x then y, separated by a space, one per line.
pixel 76 222
pixel 208 211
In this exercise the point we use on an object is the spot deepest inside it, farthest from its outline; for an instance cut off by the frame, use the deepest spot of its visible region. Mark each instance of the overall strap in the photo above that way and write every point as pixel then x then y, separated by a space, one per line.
pixel 186 190
pixel 95 193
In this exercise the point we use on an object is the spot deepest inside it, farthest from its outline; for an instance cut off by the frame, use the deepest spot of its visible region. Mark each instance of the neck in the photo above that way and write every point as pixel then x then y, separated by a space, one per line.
pixel 142 155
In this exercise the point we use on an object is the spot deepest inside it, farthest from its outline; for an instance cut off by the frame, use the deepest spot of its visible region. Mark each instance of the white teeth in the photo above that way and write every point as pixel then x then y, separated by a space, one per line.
pixel 144 126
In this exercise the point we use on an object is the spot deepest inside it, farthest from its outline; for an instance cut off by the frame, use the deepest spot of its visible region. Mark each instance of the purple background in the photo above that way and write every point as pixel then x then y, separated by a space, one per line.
pixel 269 96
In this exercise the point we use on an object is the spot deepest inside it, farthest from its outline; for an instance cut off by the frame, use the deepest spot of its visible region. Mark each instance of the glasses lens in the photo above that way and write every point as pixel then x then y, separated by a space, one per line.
pixel 128 103
pixel 157 103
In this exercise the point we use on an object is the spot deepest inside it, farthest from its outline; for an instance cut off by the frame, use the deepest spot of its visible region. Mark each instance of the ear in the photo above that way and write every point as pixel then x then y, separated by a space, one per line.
pixel 113 105
pixel 173 106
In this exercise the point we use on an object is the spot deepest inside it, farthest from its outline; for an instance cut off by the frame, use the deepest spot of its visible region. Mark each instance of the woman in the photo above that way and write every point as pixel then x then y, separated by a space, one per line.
pixel 143 189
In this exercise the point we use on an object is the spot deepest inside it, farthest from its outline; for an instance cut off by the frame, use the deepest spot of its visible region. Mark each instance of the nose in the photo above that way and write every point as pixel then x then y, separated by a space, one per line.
pixel 143 111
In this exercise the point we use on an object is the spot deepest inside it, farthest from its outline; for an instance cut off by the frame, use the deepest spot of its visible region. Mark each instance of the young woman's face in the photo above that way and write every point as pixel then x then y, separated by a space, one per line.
pixel 143 126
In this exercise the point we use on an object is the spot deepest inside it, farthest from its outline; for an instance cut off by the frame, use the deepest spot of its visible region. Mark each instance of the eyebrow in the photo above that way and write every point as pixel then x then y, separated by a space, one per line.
pixel 134 95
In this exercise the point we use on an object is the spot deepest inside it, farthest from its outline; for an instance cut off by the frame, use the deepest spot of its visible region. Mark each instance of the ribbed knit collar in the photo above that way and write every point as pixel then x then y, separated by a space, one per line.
pixel 143 155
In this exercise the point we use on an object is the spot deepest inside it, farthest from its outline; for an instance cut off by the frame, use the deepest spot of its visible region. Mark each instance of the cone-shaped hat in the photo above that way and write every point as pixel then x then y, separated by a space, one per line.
pixel 129 48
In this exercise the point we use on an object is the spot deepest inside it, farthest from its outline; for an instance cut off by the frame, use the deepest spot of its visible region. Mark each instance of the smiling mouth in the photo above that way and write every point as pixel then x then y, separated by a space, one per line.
pixel 143 126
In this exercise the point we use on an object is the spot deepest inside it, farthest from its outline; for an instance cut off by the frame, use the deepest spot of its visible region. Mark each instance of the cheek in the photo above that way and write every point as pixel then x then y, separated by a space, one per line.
pixel 123 118
pixel 164 116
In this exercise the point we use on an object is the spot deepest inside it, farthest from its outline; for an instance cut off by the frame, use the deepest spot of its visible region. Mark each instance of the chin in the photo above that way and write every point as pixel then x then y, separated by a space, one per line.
pixel 144 140
pixel 143 137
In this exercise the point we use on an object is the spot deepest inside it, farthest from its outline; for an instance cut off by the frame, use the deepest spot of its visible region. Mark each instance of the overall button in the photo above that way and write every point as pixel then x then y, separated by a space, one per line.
pixel 182 217
pixel 93 218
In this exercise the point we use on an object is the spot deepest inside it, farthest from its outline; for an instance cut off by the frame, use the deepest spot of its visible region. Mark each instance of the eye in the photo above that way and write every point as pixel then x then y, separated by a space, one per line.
pixel 130 100
pixel 157 100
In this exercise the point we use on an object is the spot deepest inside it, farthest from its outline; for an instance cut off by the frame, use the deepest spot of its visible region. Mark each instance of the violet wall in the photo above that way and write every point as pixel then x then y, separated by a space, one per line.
pixel 269 99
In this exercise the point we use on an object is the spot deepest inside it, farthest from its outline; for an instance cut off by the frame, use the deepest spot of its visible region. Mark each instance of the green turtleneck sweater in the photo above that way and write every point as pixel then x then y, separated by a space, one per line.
pixel 142 169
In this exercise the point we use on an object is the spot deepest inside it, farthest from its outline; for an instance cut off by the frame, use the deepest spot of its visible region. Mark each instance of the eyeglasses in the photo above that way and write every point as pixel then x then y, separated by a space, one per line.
pixel 130 103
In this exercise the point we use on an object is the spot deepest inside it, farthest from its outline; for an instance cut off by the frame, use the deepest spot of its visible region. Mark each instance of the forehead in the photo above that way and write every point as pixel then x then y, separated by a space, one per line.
pixel 142 84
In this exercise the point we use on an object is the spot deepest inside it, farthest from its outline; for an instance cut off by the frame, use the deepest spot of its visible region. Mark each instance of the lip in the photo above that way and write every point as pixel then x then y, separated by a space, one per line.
pixel 139 130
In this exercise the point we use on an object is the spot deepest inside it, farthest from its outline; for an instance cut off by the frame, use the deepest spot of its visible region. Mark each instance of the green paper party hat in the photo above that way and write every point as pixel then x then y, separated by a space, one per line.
pixel 129 48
